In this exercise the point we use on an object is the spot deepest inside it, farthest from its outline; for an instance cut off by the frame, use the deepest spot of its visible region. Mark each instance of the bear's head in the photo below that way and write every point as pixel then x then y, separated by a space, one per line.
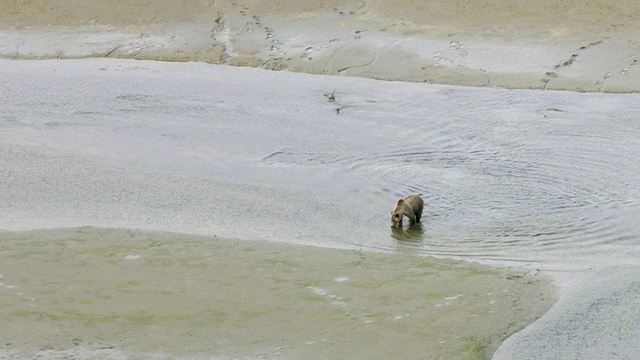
pixel 396 218
pixel 396 214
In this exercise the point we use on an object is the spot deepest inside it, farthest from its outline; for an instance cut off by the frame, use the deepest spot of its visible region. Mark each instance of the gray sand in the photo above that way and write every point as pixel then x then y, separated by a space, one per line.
pixel 97 293
pixel 548 44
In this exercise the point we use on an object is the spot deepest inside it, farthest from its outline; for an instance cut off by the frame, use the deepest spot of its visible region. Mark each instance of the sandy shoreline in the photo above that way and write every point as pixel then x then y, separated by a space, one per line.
pixel 538 45
pixel 133 294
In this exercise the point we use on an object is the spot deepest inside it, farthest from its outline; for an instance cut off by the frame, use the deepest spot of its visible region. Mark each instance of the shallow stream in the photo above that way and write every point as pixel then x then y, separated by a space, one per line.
pixel 540 176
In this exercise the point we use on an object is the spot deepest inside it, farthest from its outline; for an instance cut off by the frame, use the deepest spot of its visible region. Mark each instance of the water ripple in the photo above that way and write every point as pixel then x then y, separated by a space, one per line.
pixel 498 187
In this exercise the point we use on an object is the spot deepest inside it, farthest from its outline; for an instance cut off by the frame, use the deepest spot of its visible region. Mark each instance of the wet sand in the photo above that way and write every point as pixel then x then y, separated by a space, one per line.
pixel 580 45
pixel 87 292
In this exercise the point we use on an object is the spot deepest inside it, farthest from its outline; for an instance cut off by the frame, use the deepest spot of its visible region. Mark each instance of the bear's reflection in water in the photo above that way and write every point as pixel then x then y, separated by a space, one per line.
pixel 412 234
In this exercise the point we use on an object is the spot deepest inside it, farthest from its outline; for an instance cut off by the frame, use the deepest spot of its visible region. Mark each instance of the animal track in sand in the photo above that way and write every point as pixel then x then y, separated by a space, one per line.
pixel 554 73
pixel 455 61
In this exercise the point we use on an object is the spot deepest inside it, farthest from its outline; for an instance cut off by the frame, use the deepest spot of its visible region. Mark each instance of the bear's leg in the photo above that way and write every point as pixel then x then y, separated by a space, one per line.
pixel 411 216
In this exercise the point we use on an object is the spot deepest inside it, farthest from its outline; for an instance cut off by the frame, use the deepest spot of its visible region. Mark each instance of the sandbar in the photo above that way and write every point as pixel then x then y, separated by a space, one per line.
pixel 128 294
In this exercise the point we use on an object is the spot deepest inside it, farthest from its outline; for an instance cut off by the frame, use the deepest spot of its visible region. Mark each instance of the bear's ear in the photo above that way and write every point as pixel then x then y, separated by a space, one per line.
pixel 400 202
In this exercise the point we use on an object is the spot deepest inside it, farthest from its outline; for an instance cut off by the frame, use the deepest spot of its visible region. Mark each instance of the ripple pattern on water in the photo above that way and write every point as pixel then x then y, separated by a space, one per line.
pixel 516 175
pixel 506 173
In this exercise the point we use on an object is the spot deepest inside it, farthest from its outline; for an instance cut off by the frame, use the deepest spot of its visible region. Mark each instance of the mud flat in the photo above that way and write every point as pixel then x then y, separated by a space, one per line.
pixel 579 45
pixel 126 294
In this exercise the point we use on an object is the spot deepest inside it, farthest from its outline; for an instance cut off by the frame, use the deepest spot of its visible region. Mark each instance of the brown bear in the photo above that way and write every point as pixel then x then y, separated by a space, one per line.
pixel 411 207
